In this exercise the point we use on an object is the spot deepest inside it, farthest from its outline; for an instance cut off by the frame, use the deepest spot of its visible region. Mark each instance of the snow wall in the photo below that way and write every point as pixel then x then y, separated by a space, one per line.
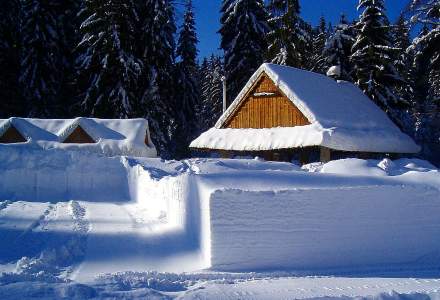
pixel 56 175
pixel 318 229
pixel 346 224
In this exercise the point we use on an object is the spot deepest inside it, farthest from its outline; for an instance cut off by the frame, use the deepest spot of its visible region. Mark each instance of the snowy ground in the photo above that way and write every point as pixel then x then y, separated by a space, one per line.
pixel 84 247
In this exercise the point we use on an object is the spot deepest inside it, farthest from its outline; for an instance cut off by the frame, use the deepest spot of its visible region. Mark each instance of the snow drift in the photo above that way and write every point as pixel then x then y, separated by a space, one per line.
pixel 146 214
pixel 318 229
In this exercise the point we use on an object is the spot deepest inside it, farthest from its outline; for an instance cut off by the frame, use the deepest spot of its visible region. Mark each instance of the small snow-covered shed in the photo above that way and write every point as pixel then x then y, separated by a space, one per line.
pixel 130 137
pixel 284 111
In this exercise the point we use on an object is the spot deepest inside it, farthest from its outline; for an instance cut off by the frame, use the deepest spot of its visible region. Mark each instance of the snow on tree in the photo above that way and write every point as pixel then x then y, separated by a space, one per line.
pixel 211 73
pixel 404 65
pixel 187 43
pixel 337 50
pixel 205 83
pixel 41 56
pixel 319 38
pixel 243 39
pixel 10 100
pixel 373 56
pixel 157 47
pixel 308 50
pixel 427 44
pixel 107 65
pixel 187 71
pixel 426 48
pixel 286 37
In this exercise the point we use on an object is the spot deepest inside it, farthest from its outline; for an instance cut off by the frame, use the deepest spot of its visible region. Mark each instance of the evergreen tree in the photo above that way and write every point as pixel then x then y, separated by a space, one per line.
pixel 70 36
pixel 41 56
pixel 373 58
pixel 243 32
pixel 108 67
pixel 404 66
pixel 157 49
pixel 10 101
pixel 421 65
pixel 427 45
pixel 319 38
pixel 338 50
pixel 187 99
pixel 286 37
pixel 187 44
pixel 426 48
pixel 205 84
pixel 211 92
pixel 307 51
pixel 215 90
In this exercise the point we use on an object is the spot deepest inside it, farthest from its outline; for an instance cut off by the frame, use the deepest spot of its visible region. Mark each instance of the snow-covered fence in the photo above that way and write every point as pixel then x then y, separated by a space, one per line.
pixel 324 229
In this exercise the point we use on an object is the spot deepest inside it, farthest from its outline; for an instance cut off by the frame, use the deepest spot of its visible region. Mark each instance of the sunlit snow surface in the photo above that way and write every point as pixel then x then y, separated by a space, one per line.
pixel 150 240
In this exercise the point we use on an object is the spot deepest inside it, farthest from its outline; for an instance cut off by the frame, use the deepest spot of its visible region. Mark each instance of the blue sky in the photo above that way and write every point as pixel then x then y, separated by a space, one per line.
pixel 207 17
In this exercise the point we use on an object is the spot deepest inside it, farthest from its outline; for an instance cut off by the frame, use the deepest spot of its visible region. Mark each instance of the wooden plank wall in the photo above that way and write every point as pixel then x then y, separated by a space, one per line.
pixel 79 136
pixel 12 136
pixel 266 111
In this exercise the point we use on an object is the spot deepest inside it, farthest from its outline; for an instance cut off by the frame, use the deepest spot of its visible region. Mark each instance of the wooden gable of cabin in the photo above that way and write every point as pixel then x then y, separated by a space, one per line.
pixel 79 136
pixel 265 106
pixel 12 136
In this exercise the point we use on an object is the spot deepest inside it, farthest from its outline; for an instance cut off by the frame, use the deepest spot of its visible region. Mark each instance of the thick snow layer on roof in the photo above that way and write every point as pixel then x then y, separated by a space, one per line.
pixel 303 136
pixel 341 118
pixel 112 137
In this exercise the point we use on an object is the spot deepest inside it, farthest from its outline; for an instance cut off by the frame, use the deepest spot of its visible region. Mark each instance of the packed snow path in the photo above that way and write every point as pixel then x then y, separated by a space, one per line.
pixel 307 287
pixel 131 243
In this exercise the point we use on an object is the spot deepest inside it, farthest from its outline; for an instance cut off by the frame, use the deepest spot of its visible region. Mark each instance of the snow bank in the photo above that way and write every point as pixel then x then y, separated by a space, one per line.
pixel 55 175
pixel 159 187
pixel 148 214
pixel 325 228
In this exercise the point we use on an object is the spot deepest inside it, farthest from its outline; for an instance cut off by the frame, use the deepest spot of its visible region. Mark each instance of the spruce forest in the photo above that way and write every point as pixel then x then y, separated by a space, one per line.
pixel 132 58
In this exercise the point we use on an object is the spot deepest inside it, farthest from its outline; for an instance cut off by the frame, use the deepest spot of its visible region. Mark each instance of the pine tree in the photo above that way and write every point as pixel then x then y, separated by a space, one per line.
pixel 10 101
pixel 204 90
pixel 69 24
pixel 205 83
pixel 157 49
pixel 286 37
pixel 308 51
pixel 427 65
pixel 187 44
pixel 373 58
pixel 243 32
pixel 211 73
pixel 404 65
pixel 427 45
pixel 41 56
pixel 338 50
pixel 187 99
pixel 108 67
pixel 319 38
pixel 216 89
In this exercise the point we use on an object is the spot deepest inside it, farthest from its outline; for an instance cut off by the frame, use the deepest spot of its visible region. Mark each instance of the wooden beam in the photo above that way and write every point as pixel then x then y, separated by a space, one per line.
pixel 325 154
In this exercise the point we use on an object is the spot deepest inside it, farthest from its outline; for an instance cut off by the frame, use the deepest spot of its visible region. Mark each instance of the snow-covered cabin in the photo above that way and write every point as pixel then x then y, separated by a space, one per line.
pixel 129 137
pixel 284 112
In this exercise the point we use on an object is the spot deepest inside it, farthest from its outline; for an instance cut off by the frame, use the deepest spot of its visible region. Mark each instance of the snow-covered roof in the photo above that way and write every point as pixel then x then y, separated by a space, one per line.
pixel 341 117
pixel 113 137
